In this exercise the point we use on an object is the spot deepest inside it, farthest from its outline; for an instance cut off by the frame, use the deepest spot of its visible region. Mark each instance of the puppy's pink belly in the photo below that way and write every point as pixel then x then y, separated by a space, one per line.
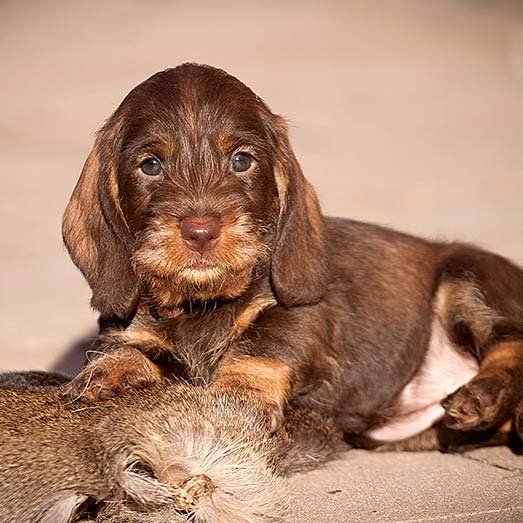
pixel 408 425
pixel 444 369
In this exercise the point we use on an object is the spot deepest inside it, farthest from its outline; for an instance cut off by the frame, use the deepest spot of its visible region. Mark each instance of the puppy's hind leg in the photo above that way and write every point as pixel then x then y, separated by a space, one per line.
pixel 491 397
pixel 480 302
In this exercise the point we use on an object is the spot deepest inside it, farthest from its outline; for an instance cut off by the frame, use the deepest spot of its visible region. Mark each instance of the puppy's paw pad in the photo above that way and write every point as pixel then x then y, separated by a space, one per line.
pixel 112 375
pixel 479 404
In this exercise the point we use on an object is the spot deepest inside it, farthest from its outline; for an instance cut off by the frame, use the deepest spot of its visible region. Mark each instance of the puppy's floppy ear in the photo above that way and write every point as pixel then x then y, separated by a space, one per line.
pixel 299 260
pixel 96 233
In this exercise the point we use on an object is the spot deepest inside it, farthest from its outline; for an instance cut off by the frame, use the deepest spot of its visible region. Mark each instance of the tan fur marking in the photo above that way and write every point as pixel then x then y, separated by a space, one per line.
pixel 463 301
pixel 282 185
pixel 508 354
pixel 506 427
pixel 265 375
pixel 145 337
pixel 249 314
pixel 280 172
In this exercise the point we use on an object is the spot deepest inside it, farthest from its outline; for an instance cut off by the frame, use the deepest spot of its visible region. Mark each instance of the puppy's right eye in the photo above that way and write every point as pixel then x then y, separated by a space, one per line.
pixel 241 162
pixel 151 167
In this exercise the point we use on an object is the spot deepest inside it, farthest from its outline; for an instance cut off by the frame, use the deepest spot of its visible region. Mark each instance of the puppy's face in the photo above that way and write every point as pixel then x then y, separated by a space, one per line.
pixel 190 192
pixel 195 179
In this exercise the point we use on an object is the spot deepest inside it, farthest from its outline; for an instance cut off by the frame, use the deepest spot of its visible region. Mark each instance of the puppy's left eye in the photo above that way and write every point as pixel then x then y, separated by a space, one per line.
pixel 151 167
pixel 240 162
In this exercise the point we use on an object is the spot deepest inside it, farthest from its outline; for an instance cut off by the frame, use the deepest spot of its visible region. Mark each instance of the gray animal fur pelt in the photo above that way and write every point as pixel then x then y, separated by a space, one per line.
pixel 169 454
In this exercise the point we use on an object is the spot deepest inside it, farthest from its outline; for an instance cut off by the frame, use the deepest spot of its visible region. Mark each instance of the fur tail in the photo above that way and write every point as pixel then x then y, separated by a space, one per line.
pixel 223 467
pixel 210 480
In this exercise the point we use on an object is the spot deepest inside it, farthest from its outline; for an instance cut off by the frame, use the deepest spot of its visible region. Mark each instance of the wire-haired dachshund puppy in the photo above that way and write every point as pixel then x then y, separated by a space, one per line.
pixel 209 259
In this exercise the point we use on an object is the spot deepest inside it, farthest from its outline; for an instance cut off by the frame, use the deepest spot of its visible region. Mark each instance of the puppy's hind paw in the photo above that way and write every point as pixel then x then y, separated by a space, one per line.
pixel 479 404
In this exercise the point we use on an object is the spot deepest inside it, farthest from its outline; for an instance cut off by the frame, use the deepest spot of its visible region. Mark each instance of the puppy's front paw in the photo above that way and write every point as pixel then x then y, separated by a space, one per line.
pixel 480 404
pixel 112 374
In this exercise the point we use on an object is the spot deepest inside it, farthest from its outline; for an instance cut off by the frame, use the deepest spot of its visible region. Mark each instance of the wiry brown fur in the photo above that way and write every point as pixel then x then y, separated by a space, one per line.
pixel 163 455
pixel 343 309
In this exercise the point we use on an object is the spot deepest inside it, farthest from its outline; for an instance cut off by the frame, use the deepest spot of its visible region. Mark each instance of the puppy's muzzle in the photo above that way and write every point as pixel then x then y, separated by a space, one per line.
pixel 200 234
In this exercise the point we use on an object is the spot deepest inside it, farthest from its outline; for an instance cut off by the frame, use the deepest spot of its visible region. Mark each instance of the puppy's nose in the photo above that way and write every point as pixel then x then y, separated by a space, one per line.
pixel 200 234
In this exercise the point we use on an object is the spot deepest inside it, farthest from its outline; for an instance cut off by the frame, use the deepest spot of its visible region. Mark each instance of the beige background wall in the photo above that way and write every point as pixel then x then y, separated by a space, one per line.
pixel 404 112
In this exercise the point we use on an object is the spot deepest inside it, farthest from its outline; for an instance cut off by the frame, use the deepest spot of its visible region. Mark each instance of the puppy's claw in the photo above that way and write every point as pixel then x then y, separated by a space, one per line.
pixel 112 375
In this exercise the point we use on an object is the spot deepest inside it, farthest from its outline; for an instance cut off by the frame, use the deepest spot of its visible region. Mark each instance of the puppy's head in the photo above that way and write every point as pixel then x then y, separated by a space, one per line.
pixel 191 192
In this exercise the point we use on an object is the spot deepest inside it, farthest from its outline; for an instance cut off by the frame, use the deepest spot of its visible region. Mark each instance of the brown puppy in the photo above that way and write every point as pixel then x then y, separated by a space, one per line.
pixel 209 259
pixel 168 454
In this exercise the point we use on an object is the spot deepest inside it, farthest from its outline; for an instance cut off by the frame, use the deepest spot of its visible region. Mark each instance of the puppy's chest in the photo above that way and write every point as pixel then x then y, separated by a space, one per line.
pixel 198 340
pixel 197 348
